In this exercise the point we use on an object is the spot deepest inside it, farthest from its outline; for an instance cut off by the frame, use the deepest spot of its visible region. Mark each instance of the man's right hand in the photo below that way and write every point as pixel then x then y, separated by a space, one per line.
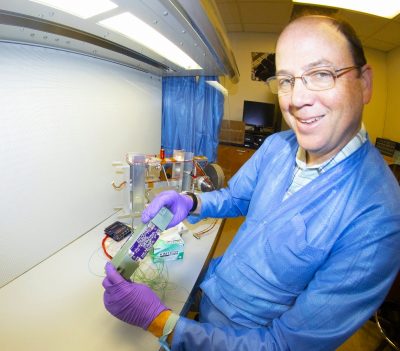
pixel 178 204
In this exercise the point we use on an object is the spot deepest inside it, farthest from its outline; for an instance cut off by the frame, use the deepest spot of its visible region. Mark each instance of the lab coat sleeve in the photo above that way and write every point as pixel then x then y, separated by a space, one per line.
pixel 233 201
pixel 344 293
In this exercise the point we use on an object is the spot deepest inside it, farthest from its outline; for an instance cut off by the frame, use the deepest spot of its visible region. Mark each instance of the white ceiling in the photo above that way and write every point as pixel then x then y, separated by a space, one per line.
pixel 270 16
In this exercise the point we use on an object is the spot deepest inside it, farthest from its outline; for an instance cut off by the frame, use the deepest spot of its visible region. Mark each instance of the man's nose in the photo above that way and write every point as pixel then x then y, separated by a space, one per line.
pixel 301 95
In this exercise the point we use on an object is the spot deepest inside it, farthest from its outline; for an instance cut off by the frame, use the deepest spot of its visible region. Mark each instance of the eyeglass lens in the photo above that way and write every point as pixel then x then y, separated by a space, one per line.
pixel 314 79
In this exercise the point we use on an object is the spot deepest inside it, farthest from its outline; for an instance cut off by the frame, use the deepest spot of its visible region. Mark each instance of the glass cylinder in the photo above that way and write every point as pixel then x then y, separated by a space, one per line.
pixel 187 171
pixel 137 177
pixel 177 168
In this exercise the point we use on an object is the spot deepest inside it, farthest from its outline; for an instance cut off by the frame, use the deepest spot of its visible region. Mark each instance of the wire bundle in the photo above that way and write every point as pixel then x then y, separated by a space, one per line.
pixel 154 275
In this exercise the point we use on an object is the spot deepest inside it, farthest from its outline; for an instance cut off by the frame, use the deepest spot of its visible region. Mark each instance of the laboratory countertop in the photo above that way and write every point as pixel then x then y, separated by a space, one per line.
pixel 58 304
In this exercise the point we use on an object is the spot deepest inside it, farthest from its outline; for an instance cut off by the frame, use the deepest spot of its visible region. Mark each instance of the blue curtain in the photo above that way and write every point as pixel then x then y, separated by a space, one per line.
pixel 191 115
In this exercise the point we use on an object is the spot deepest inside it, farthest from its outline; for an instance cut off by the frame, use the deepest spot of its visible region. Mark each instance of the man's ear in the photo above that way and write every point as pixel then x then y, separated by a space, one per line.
pixel 366 81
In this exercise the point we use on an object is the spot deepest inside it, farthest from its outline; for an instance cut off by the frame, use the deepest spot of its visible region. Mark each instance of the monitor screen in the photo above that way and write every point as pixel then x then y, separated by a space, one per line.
pixel 258 114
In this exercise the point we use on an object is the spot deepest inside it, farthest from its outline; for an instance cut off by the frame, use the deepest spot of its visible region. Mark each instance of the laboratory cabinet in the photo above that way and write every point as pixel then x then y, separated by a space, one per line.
pixel 232 157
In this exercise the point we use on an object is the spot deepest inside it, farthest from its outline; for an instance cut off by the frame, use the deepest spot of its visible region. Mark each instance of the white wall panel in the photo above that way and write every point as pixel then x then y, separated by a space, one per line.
pixel 64 118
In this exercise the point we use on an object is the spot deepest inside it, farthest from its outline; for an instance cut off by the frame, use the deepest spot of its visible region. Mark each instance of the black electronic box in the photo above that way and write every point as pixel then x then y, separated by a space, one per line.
pixel 117 231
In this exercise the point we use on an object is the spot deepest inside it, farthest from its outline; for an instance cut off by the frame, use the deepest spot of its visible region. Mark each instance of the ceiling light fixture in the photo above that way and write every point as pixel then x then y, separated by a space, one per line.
pixel 83 9
pixel 382 8
pixel 139 31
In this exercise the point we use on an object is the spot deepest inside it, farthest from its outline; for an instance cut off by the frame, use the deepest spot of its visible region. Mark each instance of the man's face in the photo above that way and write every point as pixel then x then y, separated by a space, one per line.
pixel 324 121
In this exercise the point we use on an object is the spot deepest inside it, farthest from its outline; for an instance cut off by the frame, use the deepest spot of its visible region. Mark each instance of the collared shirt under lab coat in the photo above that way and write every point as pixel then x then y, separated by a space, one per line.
pixel 304 273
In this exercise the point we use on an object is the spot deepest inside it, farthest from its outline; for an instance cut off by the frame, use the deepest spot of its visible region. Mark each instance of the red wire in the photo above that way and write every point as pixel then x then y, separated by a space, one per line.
pixel 103 245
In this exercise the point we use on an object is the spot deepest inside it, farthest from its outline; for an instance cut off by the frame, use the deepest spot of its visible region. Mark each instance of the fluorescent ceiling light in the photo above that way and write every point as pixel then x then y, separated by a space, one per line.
pixel 218 86
pixel 137 30
pixel 80 8
pixel 382 8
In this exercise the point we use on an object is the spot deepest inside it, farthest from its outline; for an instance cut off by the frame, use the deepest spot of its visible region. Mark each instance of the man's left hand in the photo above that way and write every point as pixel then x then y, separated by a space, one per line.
pixel 132 303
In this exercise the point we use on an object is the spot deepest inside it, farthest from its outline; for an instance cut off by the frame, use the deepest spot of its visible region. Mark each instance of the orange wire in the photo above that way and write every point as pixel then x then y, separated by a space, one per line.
pixel 103 245
pixel 199 234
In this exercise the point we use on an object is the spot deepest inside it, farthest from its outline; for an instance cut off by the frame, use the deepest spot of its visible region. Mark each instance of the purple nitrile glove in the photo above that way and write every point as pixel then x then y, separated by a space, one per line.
pixel 178 204
pixel 132 303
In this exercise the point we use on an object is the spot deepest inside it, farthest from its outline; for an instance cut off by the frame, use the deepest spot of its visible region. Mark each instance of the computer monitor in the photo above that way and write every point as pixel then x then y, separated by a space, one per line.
pixel 259 115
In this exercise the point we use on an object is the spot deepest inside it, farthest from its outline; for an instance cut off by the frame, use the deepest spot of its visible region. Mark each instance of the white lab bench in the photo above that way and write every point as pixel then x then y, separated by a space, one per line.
pixel 58 304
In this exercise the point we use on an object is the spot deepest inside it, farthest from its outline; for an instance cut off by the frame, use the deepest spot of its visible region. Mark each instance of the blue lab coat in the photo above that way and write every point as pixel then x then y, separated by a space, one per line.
pixel 304 273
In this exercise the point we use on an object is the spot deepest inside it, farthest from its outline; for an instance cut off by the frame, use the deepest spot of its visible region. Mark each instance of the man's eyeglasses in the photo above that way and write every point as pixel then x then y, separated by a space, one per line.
pixel 320 78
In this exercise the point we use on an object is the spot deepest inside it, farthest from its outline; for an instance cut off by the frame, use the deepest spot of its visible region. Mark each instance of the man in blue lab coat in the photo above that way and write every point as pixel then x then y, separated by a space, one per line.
pixel 320 246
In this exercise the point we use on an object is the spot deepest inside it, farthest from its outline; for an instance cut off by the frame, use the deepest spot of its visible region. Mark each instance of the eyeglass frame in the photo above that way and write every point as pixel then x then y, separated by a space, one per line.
pixel 336 73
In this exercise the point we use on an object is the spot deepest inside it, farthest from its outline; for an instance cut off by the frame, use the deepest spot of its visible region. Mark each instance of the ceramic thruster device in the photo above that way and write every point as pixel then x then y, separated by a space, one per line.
pixel 128 258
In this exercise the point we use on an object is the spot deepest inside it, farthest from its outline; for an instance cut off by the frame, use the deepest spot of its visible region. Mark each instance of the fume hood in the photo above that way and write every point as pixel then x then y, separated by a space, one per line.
pixel 192 26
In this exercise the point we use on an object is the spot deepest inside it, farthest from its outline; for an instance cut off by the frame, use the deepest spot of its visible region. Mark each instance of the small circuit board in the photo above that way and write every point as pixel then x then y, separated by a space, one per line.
pixel 128 258
pixel 117 231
